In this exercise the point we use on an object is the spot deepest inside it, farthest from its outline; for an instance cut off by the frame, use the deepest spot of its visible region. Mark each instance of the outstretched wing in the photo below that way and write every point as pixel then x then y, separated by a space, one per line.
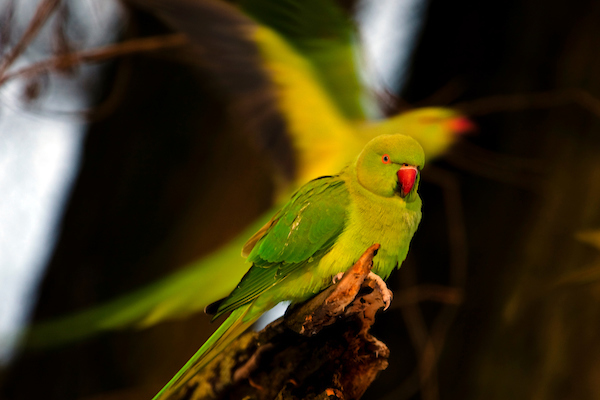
pixel 304 229
pixel 326 36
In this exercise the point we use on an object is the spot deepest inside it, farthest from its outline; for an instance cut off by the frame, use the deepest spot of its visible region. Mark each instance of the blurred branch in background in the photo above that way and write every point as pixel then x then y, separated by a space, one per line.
pixel 43 11
pixel 531 101
pixel 41 139
pixel 105 53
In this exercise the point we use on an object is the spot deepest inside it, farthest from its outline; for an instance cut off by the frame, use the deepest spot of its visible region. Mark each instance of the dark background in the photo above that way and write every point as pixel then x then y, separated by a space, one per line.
pixel 501 212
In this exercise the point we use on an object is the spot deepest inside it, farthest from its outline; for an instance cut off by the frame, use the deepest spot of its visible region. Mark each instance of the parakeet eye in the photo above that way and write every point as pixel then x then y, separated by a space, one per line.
pixel 385 159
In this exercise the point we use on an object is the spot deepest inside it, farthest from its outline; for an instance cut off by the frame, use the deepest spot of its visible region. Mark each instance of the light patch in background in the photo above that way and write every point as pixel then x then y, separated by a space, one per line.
pixel 40 146
pixel 388 32
pixel 388 29
pixel 37 159
pixel 271 315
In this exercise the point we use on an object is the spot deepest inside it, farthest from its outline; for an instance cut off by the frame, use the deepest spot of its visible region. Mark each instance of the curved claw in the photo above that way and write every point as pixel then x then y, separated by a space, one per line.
pixel 386 293
pixel 337 277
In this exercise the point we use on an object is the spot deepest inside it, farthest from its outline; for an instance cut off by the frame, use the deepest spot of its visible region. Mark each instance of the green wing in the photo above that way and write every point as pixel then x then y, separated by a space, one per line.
pixel 325 35
pixel 301 232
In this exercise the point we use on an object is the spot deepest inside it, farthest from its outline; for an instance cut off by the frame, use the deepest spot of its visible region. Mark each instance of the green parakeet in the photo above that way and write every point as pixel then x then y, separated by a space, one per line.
pixel 322 230
pixel 323 135
pixel 309 51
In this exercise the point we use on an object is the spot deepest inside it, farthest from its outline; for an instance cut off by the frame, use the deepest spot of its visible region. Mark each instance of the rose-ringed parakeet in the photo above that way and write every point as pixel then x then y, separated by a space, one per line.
pixel 312 64
pixel 322 231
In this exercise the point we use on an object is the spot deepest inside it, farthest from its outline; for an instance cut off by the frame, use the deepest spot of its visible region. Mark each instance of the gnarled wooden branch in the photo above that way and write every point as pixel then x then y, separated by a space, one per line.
pixel 319 350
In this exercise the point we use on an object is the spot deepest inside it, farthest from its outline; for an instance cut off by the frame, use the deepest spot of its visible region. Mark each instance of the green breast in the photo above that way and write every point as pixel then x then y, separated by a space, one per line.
pixel 391 222
pixel 387 221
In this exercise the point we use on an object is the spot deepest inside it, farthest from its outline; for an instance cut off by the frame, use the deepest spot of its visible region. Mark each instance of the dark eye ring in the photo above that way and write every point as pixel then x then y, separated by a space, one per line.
pixel 385 159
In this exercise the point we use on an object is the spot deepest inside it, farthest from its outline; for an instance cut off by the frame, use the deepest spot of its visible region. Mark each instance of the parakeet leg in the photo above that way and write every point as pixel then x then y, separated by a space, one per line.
pixel 385 292
pixel 336 278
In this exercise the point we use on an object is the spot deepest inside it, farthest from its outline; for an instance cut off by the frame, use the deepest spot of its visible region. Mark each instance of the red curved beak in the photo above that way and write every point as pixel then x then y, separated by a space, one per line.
pixel 406 179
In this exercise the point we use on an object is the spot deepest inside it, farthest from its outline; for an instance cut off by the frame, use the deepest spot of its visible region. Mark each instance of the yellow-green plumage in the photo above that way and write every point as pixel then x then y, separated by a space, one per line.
pixel 323 230
pixel 324 139
pixel 309 50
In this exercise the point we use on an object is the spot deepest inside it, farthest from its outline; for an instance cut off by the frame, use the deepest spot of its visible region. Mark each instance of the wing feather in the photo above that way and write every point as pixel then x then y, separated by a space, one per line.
pixel 249 245
pixel 302 232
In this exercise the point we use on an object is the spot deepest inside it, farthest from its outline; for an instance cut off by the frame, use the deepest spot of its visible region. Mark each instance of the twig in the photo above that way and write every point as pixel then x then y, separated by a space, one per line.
pixel 445 95
pixel 6 23
pixel 43 11
pixel 517 102
pixel 100 54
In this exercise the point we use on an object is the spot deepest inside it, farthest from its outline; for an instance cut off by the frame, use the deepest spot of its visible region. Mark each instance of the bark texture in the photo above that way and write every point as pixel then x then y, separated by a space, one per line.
pixel 319 350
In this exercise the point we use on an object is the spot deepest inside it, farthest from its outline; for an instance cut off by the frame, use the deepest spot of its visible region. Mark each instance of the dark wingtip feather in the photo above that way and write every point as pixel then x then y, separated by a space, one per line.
pixel 213 308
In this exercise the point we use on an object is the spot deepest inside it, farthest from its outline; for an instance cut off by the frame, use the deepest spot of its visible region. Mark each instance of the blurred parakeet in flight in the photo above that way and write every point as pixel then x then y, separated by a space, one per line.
pixel 309 51
pixel 323 230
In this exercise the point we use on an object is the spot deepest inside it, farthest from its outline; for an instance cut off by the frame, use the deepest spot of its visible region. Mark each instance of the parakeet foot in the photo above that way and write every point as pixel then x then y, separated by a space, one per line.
pixel 337 277
pixel 383 289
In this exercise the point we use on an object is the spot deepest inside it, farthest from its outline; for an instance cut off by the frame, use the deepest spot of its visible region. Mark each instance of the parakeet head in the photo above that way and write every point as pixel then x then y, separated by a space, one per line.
pixel 390 165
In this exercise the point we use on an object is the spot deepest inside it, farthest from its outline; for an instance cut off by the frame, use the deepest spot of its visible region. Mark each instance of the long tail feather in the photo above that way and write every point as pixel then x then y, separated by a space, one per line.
pixel 234 325
pixel 170 298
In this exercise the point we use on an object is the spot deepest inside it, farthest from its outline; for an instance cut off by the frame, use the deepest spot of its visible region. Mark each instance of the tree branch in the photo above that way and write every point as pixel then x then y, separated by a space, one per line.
pixel 42 13
pixel 100 54
pixel 318 350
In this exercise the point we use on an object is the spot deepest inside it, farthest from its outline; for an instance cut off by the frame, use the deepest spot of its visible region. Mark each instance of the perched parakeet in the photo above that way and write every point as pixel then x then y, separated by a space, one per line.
pixel 309 50
pixel 323 230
